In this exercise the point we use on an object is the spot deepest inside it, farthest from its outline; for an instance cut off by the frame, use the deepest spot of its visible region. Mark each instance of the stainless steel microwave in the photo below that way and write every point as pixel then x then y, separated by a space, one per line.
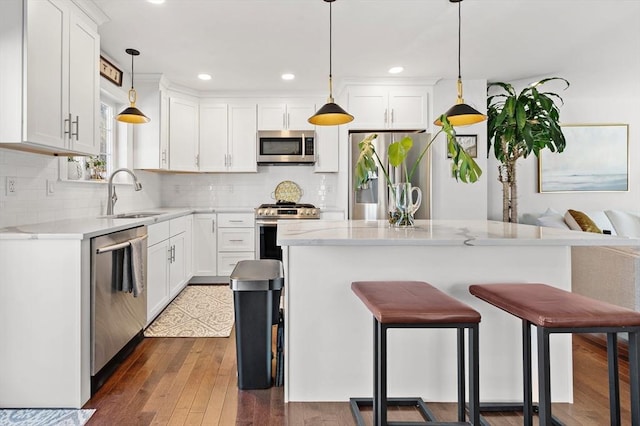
pixel 286 146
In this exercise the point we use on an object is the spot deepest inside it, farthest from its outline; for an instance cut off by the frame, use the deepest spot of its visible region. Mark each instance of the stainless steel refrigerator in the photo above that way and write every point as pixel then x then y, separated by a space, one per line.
pixel 372 202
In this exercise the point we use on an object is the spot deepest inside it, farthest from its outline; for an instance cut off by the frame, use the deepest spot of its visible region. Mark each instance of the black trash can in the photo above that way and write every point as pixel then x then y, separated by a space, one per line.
pixel 255 284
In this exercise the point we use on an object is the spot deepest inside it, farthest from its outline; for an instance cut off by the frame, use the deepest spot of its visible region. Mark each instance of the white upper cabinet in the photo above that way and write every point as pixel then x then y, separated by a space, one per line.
pixel 388 107
pixel 151 140
pixel 183 135
pixel 327 149
pixel 57 85
pixel 285 116
pixel 228 137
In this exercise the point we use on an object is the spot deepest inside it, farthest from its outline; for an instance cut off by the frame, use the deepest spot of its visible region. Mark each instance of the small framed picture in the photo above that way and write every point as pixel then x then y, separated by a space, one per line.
pixel 110 72
pixel 469 143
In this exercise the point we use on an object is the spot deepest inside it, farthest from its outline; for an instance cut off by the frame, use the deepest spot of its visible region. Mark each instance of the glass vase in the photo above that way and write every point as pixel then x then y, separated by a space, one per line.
pixel 402 206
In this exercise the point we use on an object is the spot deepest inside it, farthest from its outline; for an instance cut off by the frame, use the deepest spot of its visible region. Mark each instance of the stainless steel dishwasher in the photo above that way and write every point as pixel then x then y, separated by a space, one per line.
pixel 117 318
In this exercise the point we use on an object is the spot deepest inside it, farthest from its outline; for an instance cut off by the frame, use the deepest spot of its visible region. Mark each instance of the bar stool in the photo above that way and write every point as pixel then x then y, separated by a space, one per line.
pixel 416 304
pixel 553 310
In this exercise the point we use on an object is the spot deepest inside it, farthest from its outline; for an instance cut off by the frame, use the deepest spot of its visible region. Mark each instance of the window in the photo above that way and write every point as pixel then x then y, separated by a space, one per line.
pixel 113 148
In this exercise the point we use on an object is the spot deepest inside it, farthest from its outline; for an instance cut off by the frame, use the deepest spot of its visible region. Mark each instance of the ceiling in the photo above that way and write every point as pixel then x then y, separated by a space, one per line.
pixel 247 44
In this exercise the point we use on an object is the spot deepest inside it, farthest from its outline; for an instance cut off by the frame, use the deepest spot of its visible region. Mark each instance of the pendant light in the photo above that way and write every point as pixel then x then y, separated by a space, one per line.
pixel 331 114
pixel 461 114
pixel 131 114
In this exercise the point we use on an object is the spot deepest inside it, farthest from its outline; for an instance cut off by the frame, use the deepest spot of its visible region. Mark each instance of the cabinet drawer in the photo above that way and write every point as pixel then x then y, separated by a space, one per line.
pixel 177 225
pixel 157 232
pixel 235 220
pixel 241 239
pixel 227 261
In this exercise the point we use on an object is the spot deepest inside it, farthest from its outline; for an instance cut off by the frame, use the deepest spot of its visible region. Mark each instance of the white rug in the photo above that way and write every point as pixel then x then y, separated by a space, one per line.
pixel 44 417
pixel 198 311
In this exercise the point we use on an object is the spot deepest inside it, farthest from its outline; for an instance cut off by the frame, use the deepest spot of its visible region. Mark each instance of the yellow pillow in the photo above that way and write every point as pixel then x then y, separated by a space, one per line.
pixel 580 221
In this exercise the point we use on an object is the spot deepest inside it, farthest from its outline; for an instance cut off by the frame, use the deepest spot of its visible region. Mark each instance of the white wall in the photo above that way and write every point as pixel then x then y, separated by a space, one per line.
pixel 31 204
pixel 453 199
pixel 592 98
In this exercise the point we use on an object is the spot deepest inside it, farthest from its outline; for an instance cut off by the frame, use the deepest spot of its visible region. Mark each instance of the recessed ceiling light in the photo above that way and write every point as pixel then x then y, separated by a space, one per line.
pixel 288 76
pixel 156 1
pixel 204 76
pixel 395 70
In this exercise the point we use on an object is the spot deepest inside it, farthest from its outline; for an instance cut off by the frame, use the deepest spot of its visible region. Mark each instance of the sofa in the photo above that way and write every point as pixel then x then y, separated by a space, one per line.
pixel 610 274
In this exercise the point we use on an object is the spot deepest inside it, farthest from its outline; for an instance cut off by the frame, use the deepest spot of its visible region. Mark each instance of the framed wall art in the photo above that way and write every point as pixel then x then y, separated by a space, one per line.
pixel 110 72
pixel 469 143
pixel 596 158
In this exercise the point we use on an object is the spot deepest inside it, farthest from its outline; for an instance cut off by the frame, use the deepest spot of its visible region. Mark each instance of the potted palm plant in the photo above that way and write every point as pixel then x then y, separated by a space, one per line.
pixel 520 124
pixel 463 167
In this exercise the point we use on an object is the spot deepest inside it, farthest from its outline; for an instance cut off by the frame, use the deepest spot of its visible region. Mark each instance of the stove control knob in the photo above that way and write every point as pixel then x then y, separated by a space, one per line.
pixel 260 212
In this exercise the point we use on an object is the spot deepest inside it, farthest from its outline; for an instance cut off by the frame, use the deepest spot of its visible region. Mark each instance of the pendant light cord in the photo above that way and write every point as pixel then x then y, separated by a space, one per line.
pixel 132 55
pixel 459 38
pixel 330 51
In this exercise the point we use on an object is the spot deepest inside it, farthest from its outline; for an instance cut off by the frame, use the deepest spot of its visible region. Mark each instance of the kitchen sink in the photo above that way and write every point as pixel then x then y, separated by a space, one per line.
pixel 136 215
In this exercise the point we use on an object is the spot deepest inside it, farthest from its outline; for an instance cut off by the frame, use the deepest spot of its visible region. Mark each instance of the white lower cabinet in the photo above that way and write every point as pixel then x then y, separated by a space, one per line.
pixel 236 240
pixel 220 241
pixel 166 263
pixel 205 245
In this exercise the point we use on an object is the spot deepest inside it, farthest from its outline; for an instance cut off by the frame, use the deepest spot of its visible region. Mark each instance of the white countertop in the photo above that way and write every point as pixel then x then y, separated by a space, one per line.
pixel 81 228
pixel 436 233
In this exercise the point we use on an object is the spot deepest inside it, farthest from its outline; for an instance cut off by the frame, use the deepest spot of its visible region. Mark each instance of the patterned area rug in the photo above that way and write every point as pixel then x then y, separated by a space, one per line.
pixel 52 417
pixel 198 311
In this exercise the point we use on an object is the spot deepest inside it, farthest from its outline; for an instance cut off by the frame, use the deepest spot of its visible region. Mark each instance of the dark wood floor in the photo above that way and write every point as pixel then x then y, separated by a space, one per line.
pixel 192 381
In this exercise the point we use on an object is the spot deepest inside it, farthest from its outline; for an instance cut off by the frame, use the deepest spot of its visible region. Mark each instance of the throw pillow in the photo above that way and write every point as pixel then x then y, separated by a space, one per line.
pixel 624 223
pixel 602 221
pixel 579 221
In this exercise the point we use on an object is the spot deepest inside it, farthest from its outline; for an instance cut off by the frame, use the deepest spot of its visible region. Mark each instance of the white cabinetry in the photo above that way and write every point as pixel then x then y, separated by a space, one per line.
pixel 183 134
pixel 228 137
pixel 166 263
pixel 327 149
pixel 236 240
pixel 285 116
pixel 394 107
pixel 205 245
pixel 151 141
pixel 50 96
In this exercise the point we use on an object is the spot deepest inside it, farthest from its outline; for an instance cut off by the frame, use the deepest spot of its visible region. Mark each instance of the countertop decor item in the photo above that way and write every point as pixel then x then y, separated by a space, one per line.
pixel 132 114
pixel 461 114
pixel 330 114
pixel 521 124
pixel 287 191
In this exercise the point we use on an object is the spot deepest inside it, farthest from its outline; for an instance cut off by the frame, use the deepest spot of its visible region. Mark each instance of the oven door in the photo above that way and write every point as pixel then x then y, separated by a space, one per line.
pixel 266 247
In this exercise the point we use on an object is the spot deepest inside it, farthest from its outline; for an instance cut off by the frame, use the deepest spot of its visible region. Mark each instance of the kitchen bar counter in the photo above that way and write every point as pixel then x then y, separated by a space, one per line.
pixel 328 333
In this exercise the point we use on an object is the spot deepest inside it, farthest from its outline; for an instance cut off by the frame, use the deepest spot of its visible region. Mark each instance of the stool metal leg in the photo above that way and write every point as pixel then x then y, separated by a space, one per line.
pixel 461 376
pixel 614 383
pixel 544 377
pixel 527 408
pixel 380 365
pixel 474 375
pixel 634 376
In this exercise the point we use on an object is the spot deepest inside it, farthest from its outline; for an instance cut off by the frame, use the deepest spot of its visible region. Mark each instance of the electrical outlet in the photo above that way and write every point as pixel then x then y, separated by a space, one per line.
pixel 11 186
pixel 51 187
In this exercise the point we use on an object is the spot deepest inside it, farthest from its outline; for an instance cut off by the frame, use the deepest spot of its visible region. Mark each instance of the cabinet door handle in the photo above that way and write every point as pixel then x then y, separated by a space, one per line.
pixel 197 160
pixel 67 125
pixel 229 161
pixel 392 118
pixel 236 241
pixel 170 259
pixel 385 115
pixel 77 123
pixel 173 253
pixel 289 122
pixel 236 220
pixel 164 156
pixel 213 226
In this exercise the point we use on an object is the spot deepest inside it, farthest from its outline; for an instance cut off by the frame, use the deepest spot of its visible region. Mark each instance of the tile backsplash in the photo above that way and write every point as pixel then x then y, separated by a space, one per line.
pixel 31 202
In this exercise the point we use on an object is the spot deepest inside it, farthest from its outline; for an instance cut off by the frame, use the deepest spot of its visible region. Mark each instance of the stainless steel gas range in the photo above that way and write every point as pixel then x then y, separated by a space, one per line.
pixel 267 216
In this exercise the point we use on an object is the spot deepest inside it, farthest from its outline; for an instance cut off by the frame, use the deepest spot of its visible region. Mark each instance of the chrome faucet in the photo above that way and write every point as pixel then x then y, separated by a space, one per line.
pixel 111 201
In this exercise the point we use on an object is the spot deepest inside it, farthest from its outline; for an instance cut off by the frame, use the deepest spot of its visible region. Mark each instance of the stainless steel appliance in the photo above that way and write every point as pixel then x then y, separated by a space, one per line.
pixel 372 202
pixel 287 146
pixel 117 317
pixel 267 216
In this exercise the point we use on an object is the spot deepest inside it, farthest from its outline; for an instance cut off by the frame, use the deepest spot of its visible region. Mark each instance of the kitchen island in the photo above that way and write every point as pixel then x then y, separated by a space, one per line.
pixel 328 332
